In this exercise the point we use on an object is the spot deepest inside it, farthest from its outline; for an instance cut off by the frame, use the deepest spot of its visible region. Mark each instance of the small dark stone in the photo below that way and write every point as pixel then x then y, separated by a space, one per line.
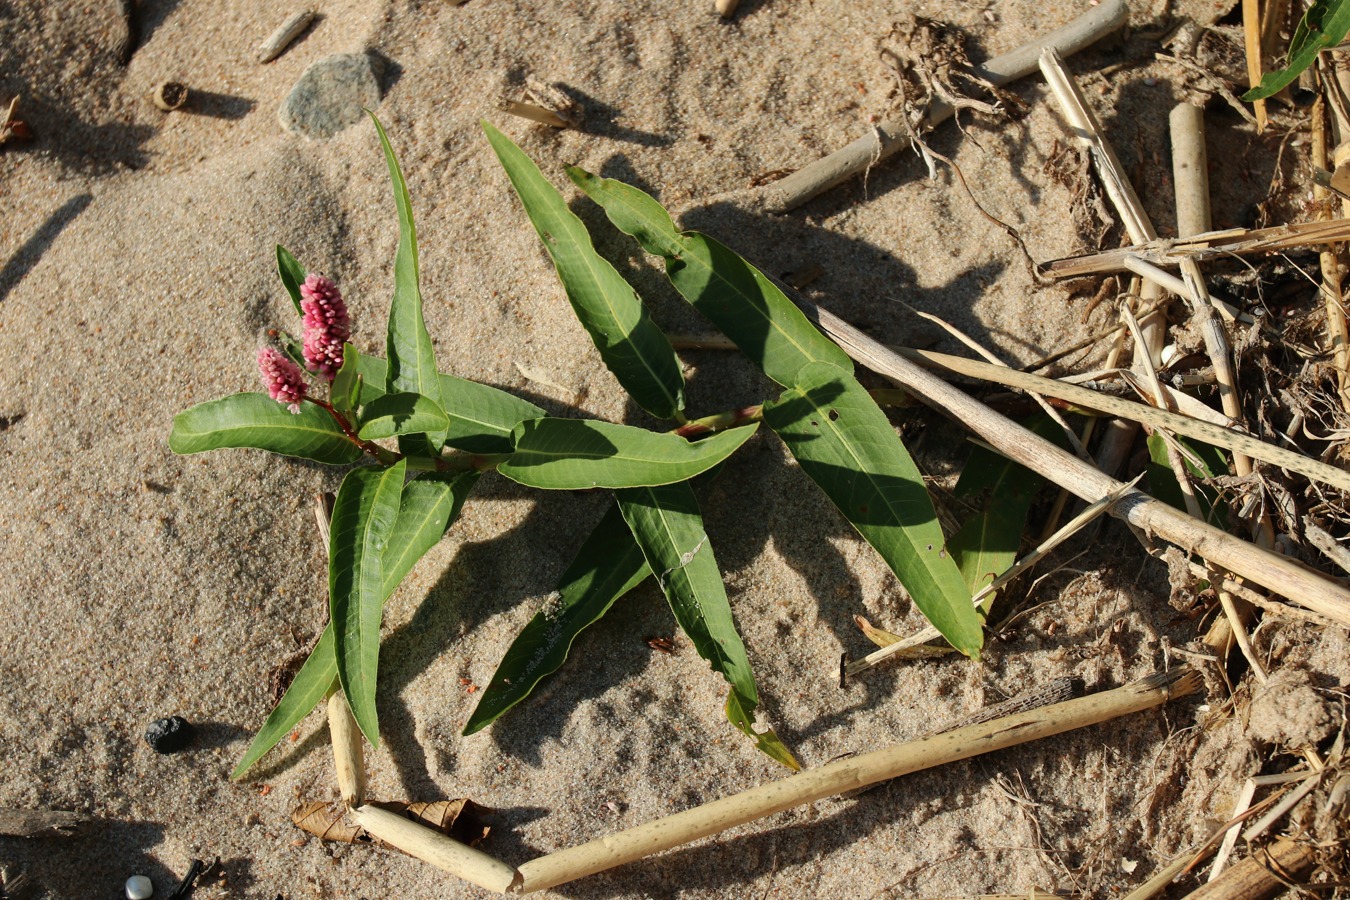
pixel 170 735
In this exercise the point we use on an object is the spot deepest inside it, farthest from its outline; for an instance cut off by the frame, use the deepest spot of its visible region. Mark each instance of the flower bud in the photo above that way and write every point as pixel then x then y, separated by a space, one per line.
pixel 327 325
pixel 284 380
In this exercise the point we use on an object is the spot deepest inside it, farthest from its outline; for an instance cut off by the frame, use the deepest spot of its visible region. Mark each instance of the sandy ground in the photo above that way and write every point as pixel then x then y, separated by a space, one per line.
pixel 137 280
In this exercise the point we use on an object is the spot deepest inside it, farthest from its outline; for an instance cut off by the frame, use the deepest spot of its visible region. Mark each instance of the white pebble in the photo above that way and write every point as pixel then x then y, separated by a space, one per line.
pixel 139 888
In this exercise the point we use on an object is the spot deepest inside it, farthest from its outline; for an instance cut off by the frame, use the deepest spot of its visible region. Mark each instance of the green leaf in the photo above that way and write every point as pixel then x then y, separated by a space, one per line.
pixel 608 565
pixel 579 454
pixel 668 526
pixel 734 295
pixel 482 418
pixel 401 414
pixel 292 276
pixel 345 394
pixel 1324 25
pixel 364 516
pixel 429 505
pixel 258 421
pixel 412 360
pixel 1162 480
pixel 766 742
pixel 987 543
pixel 844 442
pixel 633 348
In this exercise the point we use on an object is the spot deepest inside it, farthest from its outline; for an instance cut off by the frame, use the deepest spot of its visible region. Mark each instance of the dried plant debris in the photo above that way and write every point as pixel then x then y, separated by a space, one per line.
pixel 459 819
pixel 1071 168
pixel 930 64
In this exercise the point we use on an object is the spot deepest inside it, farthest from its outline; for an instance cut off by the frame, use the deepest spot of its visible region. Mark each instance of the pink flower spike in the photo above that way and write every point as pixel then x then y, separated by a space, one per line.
pixel 284 380
pixel 327 325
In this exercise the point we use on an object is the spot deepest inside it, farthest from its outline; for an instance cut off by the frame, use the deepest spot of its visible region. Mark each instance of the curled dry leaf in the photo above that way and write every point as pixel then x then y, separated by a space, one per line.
pixel 460 819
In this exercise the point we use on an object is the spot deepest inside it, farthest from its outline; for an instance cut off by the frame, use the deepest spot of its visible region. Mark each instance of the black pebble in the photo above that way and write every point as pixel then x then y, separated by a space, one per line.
pixel 170 735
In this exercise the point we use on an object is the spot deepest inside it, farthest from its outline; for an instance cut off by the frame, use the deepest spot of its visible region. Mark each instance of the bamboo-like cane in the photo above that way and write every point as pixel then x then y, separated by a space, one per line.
pixel 851 774
pixel 893 134
pixel 348 756
pixel 431 846
pixel 1262 875
pixel 1251 33
pixel 1270 570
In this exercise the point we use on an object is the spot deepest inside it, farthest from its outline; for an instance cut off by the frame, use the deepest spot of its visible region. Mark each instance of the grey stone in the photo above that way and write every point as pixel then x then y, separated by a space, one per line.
pixel 331 95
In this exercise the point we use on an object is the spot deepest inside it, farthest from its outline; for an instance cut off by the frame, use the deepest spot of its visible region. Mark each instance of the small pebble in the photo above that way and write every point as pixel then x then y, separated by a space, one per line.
pixel 331 95
pixel 169 735
pixel 139 888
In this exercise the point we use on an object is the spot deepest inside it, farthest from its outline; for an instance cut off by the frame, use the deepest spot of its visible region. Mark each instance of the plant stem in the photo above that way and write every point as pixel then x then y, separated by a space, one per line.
pixel 386 457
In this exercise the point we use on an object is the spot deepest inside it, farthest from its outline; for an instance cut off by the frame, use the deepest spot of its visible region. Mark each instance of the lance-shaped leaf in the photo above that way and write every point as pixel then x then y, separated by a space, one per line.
pixel 345 394
pixel 986 544
pixel 364 516
pixel 1324 25
pixel 400 414
pixel 412 360
pixel 428 507
pixel 734 295
pixel 258 421
pixel 578 454
pixel 1202 461
pixel 633 348
pixel 668 526
pixel 844 442
pixel 292 275
pixel 482 418
pixel 608 565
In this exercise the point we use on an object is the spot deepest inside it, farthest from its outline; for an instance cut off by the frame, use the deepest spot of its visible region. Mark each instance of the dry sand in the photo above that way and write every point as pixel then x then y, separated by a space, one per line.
pixel 137 279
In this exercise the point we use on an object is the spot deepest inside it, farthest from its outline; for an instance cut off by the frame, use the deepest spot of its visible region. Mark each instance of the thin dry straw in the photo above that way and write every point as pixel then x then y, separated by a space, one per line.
pixel 1105 403
pixel 286 32
pixel 851 774
pixel 893 134
pixel 1270 570
pixel 1229 242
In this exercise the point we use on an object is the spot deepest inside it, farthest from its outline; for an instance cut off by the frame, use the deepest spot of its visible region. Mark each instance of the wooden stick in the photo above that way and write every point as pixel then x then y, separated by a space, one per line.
pixel 31 823
pixel 1251 33
pixel 850 774
pixel 1270 570
pixel 286 32
pixel 428 845
pixel 893 134
pixel 1262 875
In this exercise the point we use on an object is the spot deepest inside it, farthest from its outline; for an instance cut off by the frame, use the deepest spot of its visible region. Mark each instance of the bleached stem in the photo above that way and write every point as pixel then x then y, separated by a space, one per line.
pixel 850 774
pixel 893 134
pixel 431 846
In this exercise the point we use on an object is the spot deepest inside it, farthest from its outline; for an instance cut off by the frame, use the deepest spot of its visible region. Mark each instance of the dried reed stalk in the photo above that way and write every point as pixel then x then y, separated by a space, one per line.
pixel 1237 441
pixel 1230 242
pixel 893 134
pixel 1270 570
pixel 1338 335
pixel 1264 874
pixel 850 774
pixel 1251 34
pixel 1120 435
pixel 428 845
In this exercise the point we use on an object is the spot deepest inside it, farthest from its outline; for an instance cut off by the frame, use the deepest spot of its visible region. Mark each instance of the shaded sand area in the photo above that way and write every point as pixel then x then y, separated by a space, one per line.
pixel 137 278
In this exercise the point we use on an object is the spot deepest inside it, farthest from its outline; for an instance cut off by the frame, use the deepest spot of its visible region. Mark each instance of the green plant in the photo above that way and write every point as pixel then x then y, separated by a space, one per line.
pixel 1323 26
pixel 449 431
